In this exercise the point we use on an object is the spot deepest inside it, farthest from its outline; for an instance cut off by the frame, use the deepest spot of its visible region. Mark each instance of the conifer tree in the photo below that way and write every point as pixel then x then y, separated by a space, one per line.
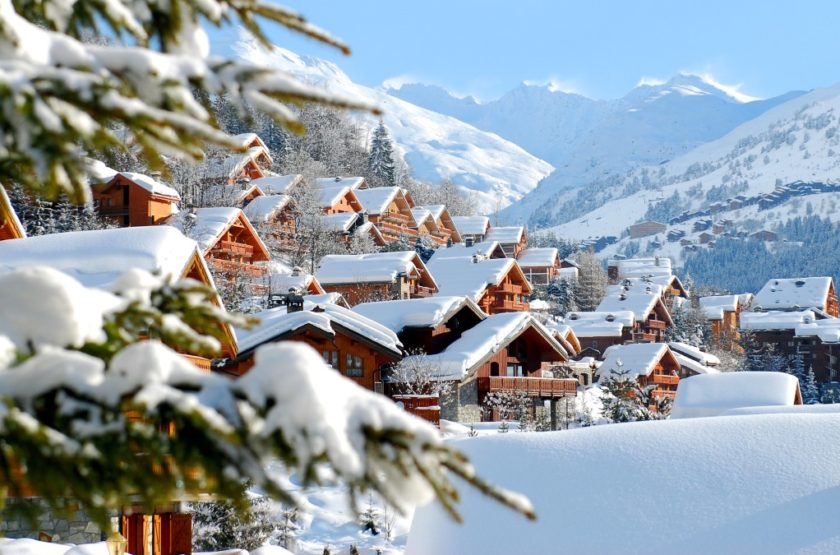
pixel 381 157
pixel 562 296
pixel 591 285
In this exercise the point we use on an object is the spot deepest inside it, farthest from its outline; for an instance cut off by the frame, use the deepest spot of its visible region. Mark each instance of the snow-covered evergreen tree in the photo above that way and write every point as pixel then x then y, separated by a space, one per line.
pixel 381 157
pixel 219 526
pixel 591 285
pixel 807 382
pixel 689 326
pixel 624 400
pixel 561 295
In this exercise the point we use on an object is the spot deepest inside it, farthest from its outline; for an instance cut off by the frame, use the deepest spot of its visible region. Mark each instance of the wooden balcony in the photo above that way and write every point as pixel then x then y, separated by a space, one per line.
pixel 392 230
pixel 395 218
pixel 656 324
pixel 663 379
pixel 642 336
pixel 660 393
pixel 236 268
pixel 508 306
pixel 508 288
pixel 235 249
pixel 420 291
pixel 535 387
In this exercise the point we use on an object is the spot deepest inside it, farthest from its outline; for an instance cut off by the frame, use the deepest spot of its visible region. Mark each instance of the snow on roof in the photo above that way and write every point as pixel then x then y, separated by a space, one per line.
pixel 329 196
pixel 600 324
pixel 263 209
pixel 354 183
pixel 751 484
pixel 713 394
pixel 340 221
pixel 276 322
pixel 646 285
pixel 505 235
pixel 471 225
pixel 538 304
pixel 277 184
pixel 425 312
pixel 98 172
pixel 714 306
pixel 376 201
pixel 209 224
pixel 461 277
pixel 793 293
pixel 537 257
pixel 826 330
pixel 569 274
pixel 151 185
pixel 690 351
pixel 693 365
pixel 229 166
pixel 367 268
pixel 245 139
pixel 327 298
pixel 775 320
pixel 459 250
pixel 640 302
pixel 482 340
pixel 638 267
pixel 232 194
pixel 638 359
pixel 436 210
pixel 98 258
pixel 421 214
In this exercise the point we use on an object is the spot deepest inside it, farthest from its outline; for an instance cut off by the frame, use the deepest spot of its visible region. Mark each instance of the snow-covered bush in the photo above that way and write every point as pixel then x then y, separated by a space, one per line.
pixel 92 413
pixel 219 525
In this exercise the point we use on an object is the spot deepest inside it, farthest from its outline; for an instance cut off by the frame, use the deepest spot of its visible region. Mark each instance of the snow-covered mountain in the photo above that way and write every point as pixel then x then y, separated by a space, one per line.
pixel 435 145
pixel 598 141
pixel 798 140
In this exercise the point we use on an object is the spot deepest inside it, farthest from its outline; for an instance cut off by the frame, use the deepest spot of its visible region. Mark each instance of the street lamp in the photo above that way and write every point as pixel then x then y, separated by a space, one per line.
pixel 116 544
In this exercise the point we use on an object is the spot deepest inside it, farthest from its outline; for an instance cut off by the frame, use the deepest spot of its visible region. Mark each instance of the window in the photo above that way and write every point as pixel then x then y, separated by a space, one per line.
pixel 514 370
pixel 494 368
pixel 331 358
pixel 354 367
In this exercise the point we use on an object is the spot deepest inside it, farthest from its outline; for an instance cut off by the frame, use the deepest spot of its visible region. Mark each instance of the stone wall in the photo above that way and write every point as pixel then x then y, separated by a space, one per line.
pixel 73 527
pixel 460 403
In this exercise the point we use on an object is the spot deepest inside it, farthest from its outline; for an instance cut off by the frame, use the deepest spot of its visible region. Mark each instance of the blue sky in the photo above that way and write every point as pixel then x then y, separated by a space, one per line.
pixel 598 48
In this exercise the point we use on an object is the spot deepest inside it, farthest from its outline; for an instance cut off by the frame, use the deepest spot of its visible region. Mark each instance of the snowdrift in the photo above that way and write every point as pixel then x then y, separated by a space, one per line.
pixel 747 484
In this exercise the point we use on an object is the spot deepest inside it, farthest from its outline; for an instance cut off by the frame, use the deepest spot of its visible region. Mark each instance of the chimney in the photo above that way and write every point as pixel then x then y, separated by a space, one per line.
pixel 449 242
pixel 155 175
pixel 297 271
pixel 294 303
pixel 468 242
pixel 475 259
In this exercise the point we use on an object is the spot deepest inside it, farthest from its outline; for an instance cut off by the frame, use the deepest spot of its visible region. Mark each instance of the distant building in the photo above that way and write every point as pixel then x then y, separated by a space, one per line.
pixel 131 199
pixel 764 235
pixel 646 228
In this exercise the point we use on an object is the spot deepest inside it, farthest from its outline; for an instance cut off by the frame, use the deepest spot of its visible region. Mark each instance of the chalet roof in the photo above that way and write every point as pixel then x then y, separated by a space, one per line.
pixel 331 195
pixel 230 166
pixel 327 298
pixel 98 172
pixel 794 293
pixel 471 225
pixel 428 312
pixel 98 258
pixel 245 140
pixel 714 306
pixel 827 330
pixel 638 267
pixel 420 215
pixel 436 210
pixel 485 249
pixel 538 257
pixel 600 324
pixel 376 267
pixel 640 302
pixel 9 217
pixel 483 340
pixel 570 274
pixel 505 235
pixel 263 209
pixel 635 285
pixel 638 359
pixel 565 335
pixel 282 279
pixel 693 365
pixel 689 351
pixel 149 184
pixel 277 184
pixel 276 323
pixel 354 183
pixel 371 229
pixel 776 320
pixel 376 201
pixel 462 277
pixel 211 223
pixel 340 221
pixel 232 194
pixel 715 394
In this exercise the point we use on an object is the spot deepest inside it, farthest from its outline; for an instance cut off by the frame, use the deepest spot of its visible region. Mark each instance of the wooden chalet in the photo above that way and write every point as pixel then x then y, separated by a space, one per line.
pixel 278 184
pixel 354 183
pixel 347 225
pixel 229 243
pixel 98 258
pixel 795 294
pixel 693 361
pixel 376 276
pixel 503 352
pixel 468 250
pixel 540 265
pixel 355 346
pixel 512 239
pixel 496 285
pixel 646 229
pixel 427 226
pixel 389 209
pixel 651 267
pixel 131 199
pixel 239 195
pixel 251 142
pixel 651 316
pixel 10 226
pixel 334 199
pixel 446 228
pixel 597 331
pixel 427 325
pixel 275 217
pixel 723 313
pixel 241 166
pixel 648 363
pixel 282 280
pixel 474 228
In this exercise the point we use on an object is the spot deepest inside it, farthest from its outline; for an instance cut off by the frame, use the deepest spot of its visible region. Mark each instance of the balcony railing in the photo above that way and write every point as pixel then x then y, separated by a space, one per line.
pixel 395 218
pixel 233 248
pixel 663 379
pixel 421 291
pixel 659 393
pixel 395 230
pixel 642 336
pixel 508 306
pixel 238 268
pixel 509 288
pixel 657 324
pixel 537 387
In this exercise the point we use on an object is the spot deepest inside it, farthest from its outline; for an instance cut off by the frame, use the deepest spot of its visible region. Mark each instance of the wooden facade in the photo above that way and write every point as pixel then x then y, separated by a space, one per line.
pixel 508 295
pixel 646 229
pixel 433 340
pixel 125 203
pixel 170 533
pixel 344 200
pixel 236 250
pixel 10 226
